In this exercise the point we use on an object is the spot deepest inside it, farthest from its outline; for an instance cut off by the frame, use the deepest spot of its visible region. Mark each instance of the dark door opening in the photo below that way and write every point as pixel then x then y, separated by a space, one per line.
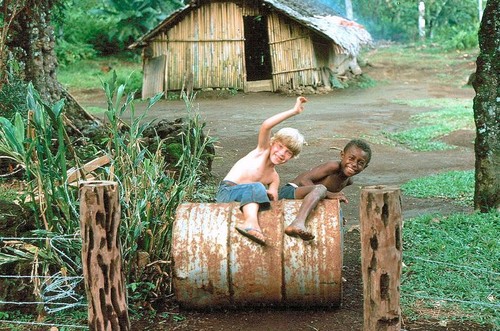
pixel 257 54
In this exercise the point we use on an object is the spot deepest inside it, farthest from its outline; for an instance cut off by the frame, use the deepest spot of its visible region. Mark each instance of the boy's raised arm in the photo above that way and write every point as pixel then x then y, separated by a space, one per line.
pixel 268 124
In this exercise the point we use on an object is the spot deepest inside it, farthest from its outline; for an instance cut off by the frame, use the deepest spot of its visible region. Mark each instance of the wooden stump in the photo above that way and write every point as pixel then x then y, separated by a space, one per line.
pixel 101 256
pixel 381 257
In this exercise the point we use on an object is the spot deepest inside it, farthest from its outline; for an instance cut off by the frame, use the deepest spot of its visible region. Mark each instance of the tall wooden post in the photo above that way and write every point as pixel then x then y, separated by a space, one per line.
pixel 101 256
pixel 381 257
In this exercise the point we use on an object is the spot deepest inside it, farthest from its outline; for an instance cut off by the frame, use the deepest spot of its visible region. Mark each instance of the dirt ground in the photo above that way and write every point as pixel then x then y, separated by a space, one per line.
pixel 328 122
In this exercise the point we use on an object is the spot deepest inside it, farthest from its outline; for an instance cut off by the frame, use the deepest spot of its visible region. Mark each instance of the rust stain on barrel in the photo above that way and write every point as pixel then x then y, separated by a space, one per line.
pixel 200 254
pixel 313 270
pixel 215 266
pixel 256 270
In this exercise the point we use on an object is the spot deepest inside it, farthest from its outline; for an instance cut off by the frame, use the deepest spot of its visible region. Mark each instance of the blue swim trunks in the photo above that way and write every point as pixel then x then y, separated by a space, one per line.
pixel 287 191
pixel 244 194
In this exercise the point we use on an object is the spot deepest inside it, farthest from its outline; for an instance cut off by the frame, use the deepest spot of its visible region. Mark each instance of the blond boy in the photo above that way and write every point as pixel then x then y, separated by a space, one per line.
pixel 253 180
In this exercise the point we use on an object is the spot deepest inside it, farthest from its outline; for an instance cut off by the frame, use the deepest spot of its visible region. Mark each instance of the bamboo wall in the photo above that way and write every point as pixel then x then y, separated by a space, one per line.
pixel 292 53
pixel 207 46
pixel 206 49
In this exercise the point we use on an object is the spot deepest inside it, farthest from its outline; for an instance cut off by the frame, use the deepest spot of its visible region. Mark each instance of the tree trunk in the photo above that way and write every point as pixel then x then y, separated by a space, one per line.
pixel 421 19
pixel 31 41
pixel 480 9
pixel 487 145
pixel 348 9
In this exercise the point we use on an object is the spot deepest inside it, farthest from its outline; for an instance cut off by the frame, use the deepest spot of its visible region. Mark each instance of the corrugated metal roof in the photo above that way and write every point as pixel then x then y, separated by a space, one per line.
pixel 311 13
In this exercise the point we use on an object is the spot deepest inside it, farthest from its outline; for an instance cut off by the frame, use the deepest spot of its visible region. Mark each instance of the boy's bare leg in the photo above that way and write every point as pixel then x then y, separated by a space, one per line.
pixel 250 227
pixel 313 195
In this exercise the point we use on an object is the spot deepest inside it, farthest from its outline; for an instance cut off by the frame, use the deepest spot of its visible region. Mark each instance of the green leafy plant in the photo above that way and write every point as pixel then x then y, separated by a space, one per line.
pixel 45 165
pixel 363 81
pixel 40 145
pixel 68 53
pixel 456 38
pixel 134 17
pixel 149 192
pixel 80 37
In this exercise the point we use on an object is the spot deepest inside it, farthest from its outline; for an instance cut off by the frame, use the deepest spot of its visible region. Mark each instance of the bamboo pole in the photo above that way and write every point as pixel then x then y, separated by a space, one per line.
pixel 381 257
pixel 101 256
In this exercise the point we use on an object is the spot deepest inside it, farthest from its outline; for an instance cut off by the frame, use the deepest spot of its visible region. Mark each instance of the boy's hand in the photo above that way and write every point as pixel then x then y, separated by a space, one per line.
pixel 338 195
pixel 299 104
pixel 272 195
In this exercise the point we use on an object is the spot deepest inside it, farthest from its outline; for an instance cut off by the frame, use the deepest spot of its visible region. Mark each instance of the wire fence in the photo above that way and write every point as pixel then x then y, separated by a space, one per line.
pixel 494 293
pixel 59 292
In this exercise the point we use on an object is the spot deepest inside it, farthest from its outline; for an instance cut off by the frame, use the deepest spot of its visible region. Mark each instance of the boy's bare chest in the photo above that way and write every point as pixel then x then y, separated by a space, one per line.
pixel 263 171
pixel 335 183
pixel 258 168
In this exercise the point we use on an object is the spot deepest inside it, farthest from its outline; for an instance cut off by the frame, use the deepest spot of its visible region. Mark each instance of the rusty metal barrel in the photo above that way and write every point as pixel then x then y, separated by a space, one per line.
pixel 216 267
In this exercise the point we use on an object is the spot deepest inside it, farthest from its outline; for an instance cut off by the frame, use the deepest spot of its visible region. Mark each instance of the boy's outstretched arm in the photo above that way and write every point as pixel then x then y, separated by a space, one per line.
pixel 317 173
pixel 268 124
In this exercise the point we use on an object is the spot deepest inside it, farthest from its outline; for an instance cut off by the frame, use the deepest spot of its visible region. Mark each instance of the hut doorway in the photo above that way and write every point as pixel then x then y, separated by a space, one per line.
pixel 257 54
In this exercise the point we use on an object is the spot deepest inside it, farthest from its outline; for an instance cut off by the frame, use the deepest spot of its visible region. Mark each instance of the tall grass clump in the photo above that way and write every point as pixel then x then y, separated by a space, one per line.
pixel 150 189
pixel 40 145
pixel 150 193
pixel 452 267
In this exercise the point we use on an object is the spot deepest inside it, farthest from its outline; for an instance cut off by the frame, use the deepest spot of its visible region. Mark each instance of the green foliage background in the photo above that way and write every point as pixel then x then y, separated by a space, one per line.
pixel 86 29
pixel 453 24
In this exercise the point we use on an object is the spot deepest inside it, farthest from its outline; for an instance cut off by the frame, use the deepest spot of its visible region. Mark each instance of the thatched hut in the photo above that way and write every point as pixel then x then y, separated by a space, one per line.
pixel 250 45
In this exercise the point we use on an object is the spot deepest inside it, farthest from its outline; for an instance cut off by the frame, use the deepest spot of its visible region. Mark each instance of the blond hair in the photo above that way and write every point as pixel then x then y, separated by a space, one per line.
pixel 291 138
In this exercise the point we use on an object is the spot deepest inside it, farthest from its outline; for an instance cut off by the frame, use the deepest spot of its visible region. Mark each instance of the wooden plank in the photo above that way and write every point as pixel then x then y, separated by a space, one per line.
pixel 154 73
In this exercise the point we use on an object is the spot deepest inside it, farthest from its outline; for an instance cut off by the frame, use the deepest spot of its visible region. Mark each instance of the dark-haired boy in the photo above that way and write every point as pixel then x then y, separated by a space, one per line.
pixel 324 181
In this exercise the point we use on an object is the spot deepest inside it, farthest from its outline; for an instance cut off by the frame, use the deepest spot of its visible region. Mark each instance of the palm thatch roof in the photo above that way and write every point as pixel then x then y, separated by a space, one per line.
pixel 349 35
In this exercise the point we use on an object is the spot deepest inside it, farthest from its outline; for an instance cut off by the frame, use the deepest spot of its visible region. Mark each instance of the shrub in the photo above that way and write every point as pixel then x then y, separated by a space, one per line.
pixel 13 96
pixel 149 193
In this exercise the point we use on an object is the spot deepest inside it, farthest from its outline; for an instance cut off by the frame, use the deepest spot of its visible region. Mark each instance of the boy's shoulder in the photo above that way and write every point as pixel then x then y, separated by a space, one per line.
pixel 326 168
pixel 331 164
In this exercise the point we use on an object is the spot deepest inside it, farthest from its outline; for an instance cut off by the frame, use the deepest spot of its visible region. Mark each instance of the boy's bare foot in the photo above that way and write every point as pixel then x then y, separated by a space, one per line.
pixel 252 234
pixel 302 233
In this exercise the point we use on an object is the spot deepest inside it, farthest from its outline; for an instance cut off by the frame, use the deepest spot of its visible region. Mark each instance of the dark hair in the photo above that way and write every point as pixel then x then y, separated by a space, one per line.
pixel 361 144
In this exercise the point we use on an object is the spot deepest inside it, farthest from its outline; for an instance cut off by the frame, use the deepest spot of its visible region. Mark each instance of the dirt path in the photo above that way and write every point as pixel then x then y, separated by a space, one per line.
pixel 328 122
